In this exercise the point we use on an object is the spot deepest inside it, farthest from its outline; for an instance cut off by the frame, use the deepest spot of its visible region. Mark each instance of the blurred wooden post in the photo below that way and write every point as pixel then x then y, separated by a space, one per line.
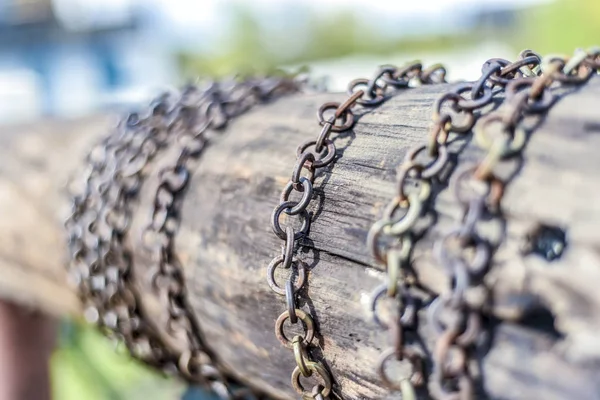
pixel 26 343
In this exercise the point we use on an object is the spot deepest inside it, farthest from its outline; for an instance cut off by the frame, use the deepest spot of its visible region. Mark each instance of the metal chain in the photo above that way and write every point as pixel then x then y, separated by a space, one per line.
pixel 98 227
pixel 311 156
pixel 479 190
pixel 101 263
pixel 391 239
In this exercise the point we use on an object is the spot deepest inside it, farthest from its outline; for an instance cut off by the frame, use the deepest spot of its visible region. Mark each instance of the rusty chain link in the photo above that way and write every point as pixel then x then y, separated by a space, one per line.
pixel 101 263
pixel 479 190
pixel 311 156
pixel 457 324
pixel 390 239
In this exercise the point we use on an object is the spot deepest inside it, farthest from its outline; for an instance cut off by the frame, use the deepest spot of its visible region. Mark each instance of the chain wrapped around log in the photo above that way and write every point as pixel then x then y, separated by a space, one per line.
pixel 545 309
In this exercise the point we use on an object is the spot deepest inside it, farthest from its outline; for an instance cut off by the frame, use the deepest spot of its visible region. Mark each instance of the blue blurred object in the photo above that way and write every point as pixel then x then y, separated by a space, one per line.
pixel 74 57
pixel 196 393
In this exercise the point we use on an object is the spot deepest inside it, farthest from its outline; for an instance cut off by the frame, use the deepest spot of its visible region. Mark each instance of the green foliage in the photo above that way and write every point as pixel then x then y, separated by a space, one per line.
pixel 246 50
pixel 561 26
pixel 86 366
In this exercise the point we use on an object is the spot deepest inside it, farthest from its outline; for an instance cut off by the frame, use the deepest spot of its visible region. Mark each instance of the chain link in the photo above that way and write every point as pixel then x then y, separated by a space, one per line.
pixel 390 239
pixel 101 261
pixel 454 112
pixel 479 190
pixel 311 156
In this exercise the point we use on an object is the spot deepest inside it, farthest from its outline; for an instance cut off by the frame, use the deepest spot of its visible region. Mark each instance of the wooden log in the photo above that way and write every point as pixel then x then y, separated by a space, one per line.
pixel 225 241
pixel 37 162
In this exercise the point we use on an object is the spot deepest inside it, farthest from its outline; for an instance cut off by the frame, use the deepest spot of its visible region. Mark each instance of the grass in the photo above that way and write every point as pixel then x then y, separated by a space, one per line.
pixel 87 366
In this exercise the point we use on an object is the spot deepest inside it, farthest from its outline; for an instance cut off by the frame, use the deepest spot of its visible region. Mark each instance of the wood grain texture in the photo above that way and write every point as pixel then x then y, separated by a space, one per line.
pixel 226 231
pixel 225 241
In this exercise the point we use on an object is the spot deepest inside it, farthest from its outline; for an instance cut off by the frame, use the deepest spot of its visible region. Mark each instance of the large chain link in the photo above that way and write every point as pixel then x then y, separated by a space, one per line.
pixel 449 316
pixel 311 156
pixel 102 263
pixel 464 252
pixel 391 239
pixel 457 323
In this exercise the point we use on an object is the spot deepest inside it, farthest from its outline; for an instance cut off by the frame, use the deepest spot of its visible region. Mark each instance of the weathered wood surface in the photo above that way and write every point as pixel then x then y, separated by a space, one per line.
pixel 36 163
pixel 225 241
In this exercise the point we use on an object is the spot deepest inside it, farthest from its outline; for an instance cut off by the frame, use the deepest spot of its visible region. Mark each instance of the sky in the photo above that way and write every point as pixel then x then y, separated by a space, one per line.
pixel 180 23
pixel 181 8
pixel 208 14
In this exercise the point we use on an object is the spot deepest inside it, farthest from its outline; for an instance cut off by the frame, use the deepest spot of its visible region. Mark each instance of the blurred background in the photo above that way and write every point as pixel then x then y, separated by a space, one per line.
pixel 67 59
